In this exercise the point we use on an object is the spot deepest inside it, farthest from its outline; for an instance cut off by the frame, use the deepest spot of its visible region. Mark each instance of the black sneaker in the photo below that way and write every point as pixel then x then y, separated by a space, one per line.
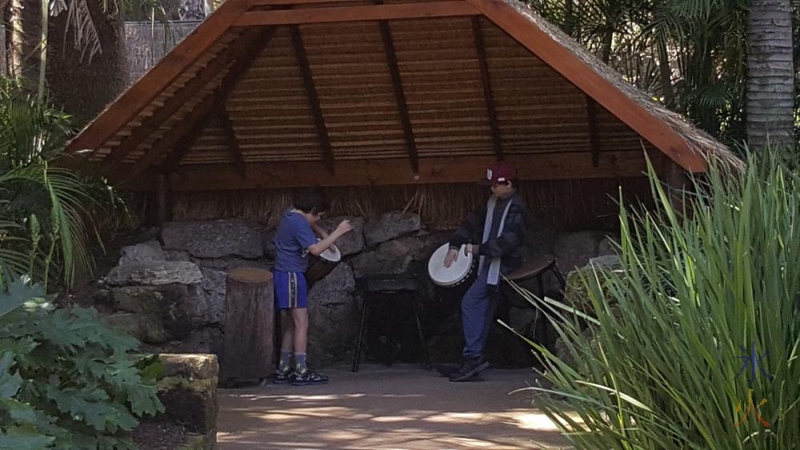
pixel 307 377
pixel 469 368
pixel 283 377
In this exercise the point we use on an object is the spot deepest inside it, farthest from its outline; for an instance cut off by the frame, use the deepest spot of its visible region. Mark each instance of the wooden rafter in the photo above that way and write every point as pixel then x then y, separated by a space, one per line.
pixel 395 171
pixel 199 114
pixel 594 139
pixel 189 90
pixel 487 87
pixel 399 93
pixel 586 78
pixel 457 8
pixel 313 98
pixel 183 145
pixel 230 138
pixel 143 92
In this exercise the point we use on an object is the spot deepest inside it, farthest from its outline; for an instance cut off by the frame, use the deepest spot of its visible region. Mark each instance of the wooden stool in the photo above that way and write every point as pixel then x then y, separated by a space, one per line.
pixel 248 349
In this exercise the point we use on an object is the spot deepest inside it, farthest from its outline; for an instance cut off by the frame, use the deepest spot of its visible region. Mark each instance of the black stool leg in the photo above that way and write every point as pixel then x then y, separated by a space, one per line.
pixel 560 277
pixel 364 310
pixel 421 335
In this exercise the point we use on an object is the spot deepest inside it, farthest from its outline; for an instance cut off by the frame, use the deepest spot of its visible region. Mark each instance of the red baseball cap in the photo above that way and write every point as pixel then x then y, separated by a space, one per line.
pixel 499 172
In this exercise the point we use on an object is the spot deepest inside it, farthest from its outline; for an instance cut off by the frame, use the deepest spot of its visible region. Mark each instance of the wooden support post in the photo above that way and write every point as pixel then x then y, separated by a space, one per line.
pixel 399 93
pixel 248 345
pixel 487 87
pixel 594 140
pixel 313 99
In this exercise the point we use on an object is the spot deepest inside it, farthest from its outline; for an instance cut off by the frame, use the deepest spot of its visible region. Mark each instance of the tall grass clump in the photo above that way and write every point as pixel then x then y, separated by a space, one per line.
pixel 710 277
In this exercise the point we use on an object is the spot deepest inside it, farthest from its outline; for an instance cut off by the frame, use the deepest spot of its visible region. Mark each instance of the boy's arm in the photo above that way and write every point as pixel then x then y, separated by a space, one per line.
pixel 319 231
pixel 316 248
pixel 512 236
pixel 468 229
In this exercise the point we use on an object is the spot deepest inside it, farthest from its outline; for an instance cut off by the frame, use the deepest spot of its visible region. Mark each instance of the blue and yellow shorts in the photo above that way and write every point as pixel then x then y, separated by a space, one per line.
pixel 291 290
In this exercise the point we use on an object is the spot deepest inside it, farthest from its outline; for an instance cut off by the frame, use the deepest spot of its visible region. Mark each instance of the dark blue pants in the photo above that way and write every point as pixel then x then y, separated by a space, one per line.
pixel 477 311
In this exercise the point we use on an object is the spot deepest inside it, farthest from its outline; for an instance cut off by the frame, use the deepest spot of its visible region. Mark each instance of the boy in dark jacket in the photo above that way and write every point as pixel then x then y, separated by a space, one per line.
pixel 495 236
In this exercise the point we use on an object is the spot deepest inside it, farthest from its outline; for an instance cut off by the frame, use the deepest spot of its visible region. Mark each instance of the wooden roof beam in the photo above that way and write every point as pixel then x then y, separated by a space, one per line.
pixel 487 87
pixel 313 98
pixel 399 93
pixel 174 103
pixel 144 91
pixel 594 139
pixel 230 138
pixel 395 171
pixel 458 8
pixel 199 114
pixel 182 146
pixel 587 79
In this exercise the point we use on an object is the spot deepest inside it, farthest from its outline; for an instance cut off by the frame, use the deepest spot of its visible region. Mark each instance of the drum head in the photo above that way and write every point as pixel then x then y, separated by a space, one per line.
pixel 448 276
pixel 332 254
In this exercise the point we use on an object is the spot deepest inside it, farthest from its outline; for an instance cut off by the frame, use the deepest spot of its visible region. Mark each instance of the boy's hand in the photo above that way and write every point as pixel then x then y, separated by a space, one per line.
pixel 471 248
pixel 344 227
pixel 452 256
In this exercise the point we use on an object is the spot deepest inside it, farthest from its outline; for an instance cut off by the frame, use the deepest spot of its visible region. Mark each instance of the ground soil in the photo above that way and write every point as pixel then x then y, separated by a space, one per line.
pixel 158 436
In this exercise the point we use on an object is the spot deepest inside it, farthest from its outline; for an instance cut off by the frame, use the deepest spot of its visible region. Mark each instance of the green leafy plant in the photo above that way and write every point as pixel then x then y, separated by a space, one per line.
pixel 708 281
pixel 67 381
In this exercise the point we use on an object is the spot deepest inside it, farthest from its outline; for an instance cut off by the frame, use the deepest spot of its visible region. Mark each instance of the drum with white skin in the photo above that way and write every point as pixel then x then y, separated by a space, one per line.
pixel 458 273
pixel 320 266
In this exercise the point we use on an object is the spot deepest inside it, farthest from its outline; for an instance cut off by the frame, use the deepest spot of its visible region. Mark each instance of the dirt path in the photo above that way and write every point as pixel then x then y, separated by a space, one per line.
pixel 379 408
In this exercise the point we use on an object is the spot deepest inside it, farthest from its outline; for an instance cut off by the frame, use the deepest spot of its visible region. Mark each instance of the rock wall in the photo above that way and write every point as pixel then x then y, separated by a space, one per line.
pixel 169 292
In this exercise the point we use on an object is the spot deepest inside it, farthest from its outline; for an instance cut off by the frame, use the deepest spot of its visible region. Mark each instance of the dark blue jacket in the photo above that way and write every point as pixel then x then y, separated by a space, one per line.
pixel 509 244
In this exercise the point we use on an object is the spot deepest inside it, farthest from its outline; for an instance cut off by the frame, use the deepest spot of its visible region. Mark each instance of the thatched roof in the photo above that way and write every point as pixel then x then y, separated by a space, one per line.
pixel 281 93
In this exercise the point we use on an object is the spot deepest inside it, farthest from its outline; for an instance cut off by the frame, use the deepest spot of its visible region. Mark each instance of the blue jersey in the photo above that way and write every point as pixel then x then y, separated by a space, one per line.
pixel 292 241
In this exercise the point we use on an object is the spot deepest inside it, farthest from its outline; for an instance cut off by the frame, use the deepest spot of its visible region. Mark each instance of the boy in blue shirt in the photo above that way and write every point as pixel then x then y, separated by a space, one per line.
pixel 294 240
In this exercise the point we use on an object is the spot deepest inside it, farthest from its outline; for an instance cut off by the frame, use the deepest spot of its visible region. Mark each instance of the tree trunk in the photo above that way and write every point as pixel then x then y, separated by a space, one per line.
pixel 101 79
pixel 24 20
pixel 249 319
pixel 770 77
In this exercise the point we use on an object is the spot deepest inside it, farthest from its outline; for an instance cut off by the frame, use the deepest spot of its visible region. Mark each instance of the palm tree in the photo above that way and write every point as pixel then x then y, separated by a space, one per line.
pixel 770 74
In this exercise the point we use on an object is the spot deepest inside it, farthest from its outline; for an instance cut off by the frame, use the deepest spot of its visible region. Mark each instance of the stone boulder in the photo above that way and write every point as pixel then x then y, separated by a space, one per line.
pixel 390 226
pixel 352 242
pixel 144 328
pixel 577 295
pixel 393 257
pixel 170 308
pixel 189 393
pixel 145 252
pixel 268 243
pixel 203 340
pixel 154 273
pixel 213 288
pixel 333 316
pixel 573 250
pixel 340 279
pixel 213 239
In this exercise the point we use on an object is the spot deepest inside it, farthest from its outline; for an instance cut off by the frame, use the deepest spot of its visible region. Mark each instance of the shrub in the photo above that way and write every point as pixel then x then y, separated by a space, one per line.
pixel 67 381
pixel 702 296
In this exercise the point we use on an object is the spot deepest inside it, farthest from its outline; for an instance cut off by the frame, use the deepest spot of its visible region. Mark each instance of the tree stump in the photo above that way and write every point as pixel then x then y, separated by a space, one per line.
pixel 249 339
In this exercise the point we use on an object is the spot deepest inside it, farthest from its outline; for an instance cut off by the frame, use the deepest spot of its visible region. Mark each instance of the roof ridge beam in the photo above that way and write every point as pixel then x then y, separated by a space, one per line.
pixel 448 8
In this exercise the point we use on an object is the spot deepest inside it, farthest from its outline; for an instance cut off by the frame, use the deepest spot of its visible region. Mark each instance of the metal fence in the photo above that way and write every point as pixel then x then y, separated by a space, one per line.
pixel 148 42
